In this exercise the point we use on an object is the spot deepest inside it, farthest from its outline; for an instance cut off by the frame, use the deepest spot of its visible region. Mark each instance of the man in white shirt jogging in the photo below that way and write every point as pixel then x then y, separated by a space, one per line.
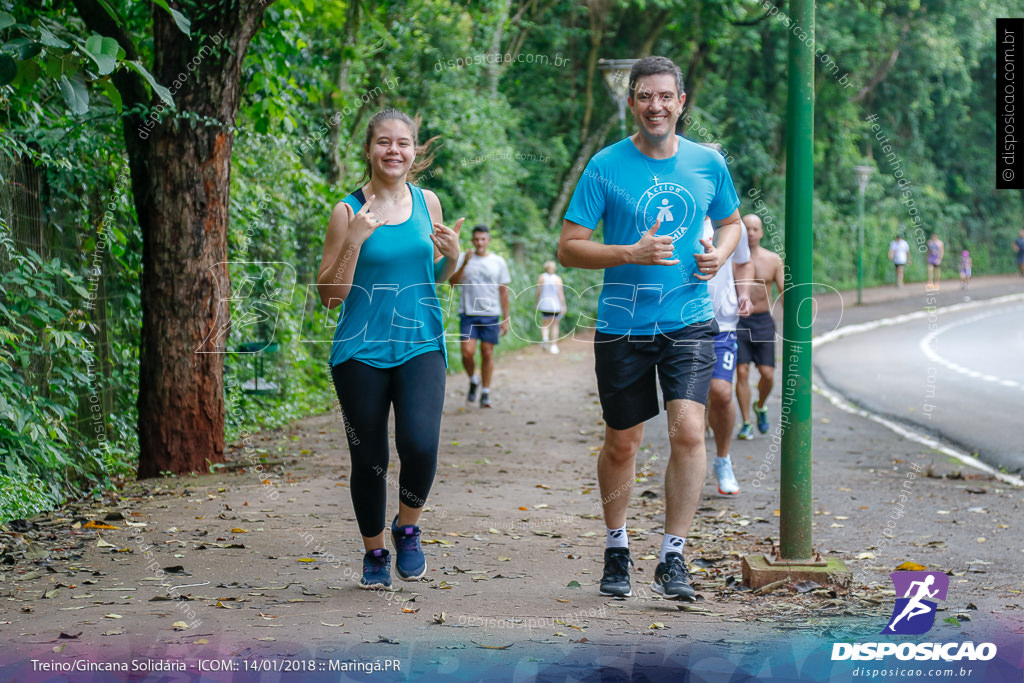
pixel 899 254
pixel 729 294
pixel 483 280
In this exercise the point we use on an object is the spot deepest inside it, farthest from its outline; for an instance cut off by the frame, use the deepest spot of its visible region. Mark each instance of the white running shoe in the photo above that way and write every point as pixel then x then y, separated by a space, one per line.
pixel 727 484
pixel 554 348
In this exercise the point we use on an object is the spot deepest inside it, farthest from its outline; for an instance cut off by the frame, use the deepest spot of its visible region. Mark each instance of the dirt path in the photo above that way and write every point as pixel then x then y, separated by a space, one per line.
pixel 243 564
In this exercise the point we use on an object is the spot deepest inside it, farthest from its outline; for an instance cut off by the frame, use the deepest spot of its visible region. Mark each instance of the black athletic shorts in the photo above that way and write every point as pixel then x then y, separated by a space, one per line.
pixel 755 340
pixel 626 366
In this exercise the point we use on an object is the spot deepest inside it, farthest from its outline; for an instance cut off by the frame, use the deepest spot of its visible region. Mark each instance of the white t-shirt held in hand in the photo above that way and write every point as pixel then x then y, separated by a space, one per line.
pixel 479 284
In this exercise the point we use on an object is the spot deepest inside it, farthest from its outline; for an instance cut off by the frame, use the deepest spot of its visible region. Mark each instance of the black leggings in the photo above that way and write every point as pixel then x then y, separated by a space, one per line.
pixel 366 394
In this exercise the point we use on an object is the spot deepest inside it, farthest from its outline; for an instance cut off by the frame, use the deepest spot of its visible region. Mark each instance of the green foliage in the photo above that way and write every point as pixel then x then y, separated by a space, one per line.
pixel 46 365
pixel 22 496
pixel 508 134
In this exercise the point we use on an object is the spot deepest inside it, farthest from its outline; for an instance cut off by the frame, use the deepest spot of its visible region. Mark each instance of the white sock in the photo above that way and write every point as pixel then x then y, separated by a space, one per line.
pixel 616 538
pixel 671 544
pixel 475 379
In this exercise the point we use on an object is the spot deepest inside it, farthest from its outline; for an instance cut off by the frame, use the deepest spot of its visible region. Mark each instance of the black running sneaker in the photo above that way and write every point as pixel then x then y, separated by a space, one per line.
pixel 485 399
pixel 615 581
pixel 471 396
pixel 672 578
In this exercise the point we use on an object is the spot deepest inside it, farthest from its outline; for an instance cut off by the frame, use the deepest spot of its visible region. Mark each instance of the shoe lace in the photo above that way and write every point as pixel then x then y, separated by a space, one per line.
pixel 676 569
pixel 617 565
pixel 408 541
pixel 377 562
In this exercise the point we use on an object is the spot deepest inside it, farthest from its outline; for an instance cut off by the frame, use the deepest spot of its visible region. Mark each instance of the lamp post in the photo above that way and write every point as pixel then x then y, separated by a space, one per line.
pixel 863 176
pixel 616 79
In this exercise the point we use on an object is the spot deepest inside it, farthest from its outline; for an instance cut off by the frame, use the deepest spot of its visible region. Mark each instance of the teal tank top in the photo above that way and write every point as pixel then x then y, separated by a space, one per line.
pixel 392 312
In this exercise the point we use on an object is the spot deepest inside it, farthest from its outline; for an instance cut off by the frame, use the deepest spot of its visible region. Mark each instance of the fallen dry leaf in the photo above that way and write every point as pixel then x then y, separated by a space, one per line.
pixel 94 525
pixel 909 566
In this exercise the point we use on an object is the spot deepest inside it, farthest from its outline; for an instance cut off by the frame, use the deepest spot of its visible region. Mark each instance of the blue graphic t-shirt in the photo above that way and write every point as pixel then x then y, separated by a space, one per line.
pixel 618 187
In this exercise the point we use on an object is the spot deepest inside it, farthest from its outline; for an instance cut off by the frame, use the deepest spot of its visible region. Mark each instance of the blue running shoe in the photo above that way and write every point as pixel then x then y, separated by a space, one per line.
pixel 762 419
pixel 376 569
pixel 409 562
pixel 746 432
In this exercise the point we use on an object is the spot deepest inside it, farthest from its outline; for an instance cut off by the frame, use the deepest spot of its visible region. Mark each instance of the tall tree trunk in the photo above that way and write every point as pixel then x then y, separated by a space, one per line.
pixel 572 176
pixel 180 179
pixel 337 166
pixel 597 15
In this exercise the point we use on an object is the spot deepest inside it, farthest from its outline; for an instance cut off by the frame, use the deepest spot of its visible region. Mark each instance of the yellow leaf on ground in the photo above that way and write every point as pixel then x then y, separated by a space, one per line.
pixel 909 566
pixel 95 525
pixel 306 559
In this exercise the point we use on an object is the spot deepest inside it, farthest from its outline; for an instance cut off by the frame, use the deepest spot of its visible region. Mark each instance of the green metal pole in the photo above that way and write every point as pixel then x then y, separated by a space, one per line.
pixel 795 505
pixel 860 249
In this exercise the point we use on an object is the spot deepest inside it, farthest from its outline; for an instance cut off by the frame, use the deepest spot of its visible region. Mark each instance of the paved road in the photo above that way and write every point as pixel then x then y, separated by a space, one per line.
pixel 957 374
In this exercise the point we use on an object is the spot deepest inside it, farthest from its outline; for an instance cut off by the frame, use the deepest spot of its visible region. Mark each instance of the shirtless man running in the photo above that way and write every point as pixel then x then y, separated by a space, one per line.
pixel 755 335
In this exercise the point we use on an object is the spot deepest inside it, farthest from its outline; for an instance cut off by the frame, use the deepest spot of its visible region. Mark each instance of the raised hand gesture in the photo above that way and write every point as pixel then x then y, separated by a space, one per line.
pixel 362 224
pixel 447 240
pixel 653 249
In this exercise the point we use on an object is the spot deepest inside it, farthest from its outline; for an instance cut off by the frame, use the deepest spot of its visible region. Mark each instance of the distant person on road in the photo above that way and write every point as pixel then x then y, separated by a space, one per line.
pixel 482 278
pixel 387 237
pixel 899 254
pixel 755 334
pixel 550 305
pixel 731 299
pixel 965 269
pixel 936 250
pixel 655 321
pixel 1018 247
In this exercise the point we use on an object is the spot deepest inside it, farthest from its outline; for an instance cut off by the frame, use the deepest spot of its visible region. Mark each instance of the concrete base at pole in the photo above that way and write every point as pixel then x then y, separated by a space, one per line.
pixel 759 571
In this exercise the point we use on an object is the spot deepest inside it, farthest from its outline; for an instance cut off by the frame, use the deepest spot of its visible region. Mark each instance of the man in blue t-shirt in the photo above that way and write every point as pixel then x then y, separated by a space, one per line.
pixel 652 192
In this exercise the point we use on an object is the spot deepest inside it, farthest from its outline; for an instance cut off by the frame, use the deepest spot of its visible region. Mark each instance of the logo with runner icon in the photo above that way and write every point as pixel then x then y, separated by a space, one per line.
pixel 670 203
pixel 914 612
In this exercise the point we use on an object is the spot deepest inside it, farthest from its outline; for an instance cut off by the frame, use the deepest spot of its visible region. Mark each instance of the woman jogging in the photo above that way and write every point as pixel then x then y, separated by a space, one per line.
pixel 936 251
pixel 385 249
pixel 965 269
pixel 551 304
